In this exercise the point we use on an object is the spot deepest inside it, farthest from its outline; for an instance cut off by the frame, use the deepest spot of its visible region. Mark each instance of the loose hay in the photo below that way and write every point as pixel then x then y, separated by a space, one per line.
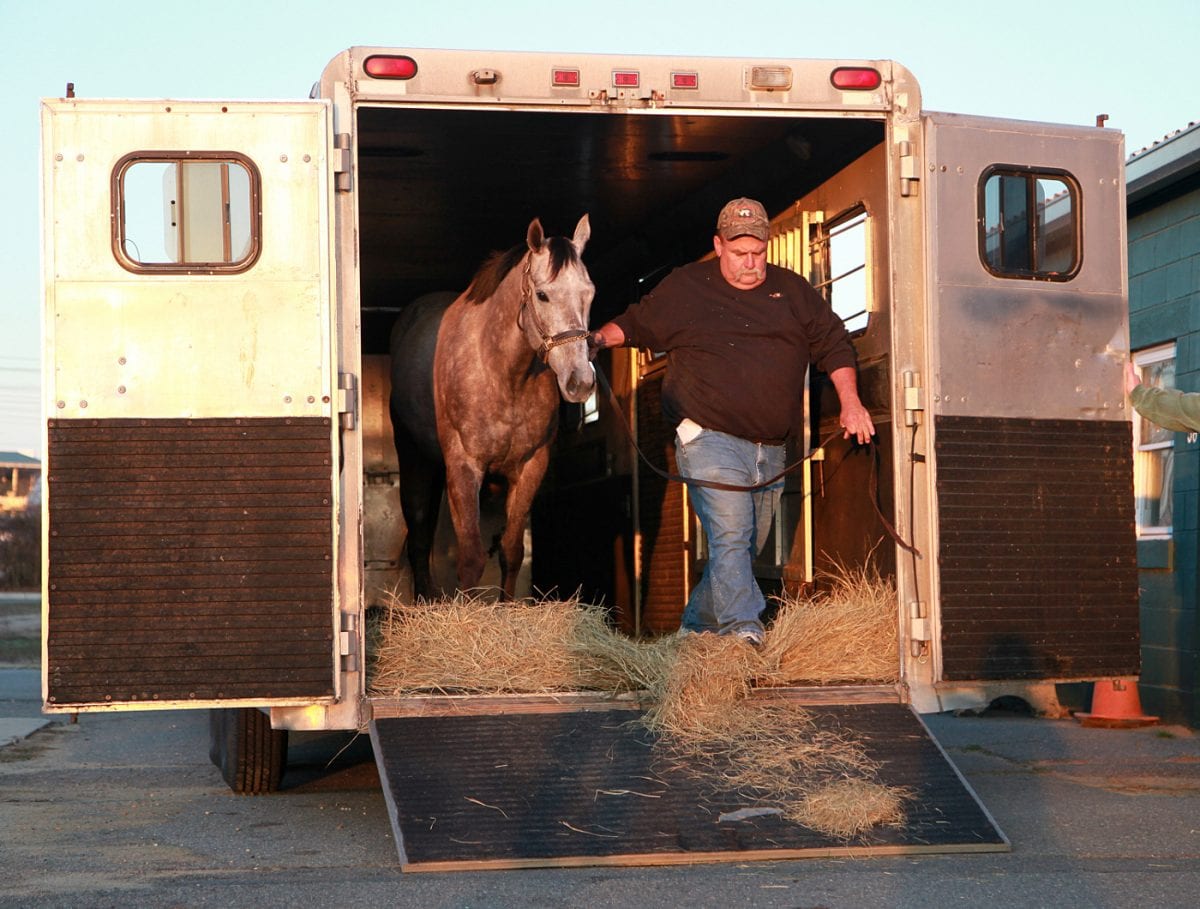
pixel 849 633
pixel 472 645
pixel 771 754
pixel 845 808
pixel 709 674
pixel 774 755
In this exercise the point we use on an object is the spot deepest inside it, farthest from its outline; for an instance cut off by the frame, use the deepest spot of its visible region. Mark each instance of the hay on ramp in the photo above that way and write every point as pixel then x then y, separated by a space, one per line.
pixel 774 755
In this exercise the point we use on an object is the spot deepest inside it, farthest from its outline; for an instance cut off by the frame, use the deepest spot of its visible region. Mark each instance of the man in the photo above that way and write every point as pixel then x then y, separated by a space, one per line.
pixel 741 334
pixel 1170 408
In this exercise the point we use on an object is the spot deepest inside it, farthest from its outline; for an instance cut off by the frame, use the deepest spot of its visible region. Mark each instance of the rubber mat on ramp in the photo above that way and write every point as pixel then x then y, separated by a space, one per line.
pixel 593 788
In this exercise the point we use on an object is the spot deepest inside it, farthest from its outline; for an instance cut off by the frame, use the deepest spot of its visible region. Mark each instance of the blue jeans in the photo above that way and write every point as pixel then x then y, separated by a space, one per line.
pixel 736 524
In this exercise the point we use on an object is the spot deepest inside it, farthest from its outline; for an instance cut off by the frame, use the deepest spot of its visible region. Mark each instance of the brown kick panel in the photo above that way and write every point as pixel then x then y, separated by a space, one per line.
pixel 190 560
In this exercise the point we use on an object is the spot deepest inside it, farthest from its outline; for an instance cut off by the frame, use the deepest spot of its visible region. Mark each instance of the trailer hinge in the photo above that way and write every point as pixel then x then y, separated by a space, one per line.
pixel 909 170
pixel 918 628
pixel 914 397
pixel 347 400
pixel 341 162
pixel 348 642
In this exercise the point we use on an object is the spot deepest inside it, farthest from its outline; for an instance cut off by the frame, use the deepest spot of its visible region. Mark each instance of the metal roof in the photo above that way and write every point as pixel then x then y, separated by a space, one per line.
pixel 16 459
pixel 1169 160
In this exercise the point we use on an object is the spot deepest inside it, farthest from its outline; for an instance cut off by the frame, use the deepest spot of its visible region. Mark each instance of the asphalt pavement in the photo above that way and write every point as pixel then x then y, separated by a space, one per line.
pixel 126 809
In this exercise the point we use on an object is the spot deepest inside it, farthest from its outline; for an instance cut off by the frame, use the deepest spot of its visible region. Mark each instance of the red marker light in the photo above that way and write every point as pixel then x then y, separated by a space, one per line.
pixel 626 79
pixel 565 78
pixel 685 80
pixel 384 66
pixel 856 78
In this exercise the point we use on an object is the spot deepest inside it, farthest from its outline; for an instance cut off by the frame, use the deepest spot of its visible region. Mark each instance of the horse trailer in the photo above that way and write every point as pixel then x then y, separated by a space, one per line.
pixel 220 277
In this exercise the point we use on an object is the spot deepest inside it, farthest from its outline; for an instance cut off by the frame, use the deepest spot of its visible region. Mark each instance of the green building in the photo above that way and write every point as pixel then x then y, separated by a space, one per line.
pixel 1163 205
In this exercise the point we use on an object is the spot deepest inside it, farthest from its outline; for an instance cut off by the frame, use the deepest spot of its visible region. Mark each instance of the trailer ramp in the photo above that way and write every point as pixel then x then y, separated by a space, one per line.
pixel 575 787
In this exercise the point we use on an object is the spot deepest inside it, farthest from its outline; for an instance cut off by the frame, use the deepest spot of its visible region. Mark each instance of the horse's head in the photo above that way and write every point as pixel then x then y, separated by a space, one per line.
pixel 557 300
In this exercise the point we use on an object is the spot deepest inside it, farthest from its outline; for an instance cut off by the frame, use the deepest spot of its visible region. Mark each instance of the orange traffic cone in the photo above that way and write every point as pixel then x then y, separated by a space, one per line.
pixel 1116 705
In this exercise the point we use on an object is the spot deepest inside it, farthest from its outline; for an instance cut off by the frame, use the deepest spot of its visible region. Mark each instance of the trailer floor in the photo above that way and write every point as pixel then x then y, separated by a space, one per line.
pixel 590 788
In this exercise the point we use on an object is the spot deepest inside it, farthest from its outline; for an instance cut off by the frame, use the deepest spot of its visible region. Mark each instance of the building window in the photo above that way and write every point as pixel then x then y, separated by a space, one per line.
pixel 1029 224
pixel 186 212
pixel 1153 450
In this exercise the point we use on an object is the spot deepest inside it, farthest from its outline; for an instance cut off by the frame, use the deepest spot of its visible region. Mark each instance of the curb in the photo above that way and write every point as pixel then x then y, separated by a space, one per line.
pixel 16 729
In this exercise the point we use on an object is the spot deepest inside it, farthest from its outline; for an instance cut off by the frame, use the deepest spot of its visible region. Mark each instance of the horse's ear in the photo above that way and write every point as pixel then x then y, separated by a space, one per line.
pixel 535 236
pixel 583 231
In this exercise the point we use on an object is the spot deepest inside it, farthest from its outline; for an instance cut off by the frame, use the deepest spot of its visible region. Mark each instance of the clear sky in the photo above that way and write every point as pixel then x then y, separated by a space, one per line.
pixel 1056 60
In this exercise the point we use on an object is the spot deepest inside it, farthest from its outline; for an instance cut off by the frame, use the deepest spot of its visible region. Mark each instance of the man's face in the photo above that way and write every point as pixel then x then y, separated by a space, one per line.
pixel 743 261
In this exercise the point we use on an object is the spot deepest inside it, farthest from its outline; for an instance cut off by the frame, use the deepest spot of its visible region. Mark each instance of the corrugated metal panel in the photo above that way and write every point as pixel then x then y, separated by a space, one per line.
pixel 190 560
pixel 1037 554
pixel 664 552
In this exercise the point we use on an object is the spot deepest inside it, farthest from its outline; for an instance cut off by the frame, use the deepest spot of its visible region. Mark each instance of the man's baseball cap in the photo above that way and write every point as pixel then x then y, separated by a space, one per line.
pixel 743 218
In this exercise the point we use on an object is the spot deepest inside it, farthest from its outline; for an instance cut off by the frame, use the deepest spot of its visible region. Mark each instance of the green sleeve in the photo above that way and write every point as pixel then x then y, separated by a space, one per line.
pixel 1170 408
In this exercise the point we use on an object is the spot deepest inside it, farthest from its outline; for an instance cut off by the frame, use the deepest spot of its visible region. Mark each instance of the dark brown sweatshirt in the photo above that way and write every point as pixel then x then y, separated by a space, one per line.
pixel 737 357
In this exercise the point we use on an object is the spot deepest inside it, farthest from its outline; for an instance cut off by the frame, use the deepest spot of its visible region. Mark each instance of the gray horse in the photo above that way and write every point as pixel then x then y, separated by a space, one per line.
pixel 474 394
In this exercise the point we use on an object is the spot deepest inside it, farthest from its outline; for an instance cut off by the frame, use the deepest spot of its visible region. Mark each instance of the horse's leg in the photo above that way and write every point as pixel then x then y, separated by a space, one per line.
pixel 463 480
pixel 523 484
pixel 421 485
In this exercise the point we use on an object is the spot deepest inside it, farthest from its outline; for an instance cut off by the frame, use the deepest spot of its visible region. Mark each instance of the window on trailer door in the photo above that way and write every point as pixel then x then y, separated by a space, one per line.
pixel 1029 224
pixel 186 212
pixel 1154 450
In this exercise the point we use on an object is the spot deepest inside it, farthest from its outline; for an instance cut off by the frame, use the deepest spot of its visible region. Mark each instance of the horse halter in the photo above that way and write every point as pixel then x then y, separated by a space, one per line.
pixel 549 341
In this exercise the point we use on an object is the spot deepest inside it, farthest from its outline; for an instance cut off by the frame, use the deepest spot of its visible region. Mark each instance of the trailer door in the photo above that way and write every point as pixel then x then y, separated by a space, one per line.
pixel 189 398
pixel 1037 569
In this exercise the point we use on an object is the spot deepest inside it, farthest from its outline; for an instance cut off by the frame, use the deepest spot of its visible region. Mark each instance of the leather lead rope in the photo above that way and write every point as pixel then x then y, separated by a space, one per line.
pixel 732 487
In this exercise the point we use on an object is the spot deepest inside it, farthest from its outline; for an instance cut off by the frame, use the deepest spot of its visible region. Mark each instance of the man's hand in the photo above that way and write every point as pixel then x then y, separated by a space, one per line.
pixel 607 335
pixel 856 422
pixel 854 418
pixel 1132 379
pixel 595 343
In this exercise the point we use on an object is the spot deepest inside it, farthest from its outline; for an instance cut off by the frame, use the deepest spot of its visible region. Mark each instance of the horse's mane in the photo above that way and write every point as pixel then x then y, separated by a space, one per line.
pixel 497 266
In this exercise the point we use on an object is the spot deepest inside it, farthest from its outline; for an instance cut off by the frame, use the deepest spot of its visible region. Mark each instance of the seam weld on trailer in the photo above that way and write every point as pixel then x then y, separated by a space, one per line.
pixel 221 502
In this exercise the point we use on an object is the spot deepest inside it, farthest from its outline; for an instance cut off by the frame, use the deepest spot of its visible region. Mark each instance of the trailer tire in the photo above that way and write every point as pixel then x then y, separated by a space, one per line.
pixel 249 753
